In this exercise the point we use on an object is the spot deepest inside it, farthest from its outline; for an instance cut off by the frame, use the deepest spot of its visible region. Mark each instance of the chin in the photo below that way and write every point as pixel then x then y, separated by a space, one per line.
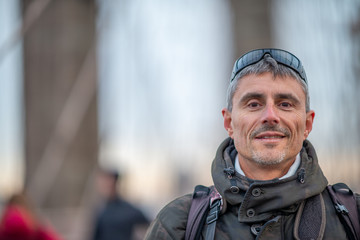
pixel 268 159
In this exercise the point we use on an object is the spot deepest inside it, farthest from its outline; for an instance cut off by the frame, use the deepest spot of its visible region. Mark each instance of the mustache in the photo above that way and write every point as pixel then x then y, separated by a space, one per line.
pixel 266 127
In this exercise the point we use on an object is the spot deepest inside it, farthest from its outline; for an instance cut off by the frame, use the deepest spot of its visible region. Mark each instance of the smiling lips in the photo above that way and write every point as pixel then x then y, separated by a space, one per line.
pixel 270 136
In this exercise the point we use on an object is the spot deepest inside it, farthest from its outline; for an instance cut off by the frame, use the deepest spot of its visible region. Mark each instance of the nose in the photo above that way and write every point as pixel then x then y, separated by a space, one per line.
pixel 270 115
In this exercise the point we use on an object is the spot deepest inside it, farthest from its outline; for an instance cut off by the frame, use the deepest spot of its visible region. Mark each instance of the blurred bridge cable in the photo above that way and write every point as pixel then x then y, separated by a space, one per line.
pixel 32 13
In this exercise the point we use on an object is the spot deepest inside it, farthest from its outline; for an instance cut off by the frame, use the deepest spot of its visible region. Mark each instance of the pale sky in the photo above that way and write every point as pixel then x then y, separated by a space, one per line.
pixel 11 115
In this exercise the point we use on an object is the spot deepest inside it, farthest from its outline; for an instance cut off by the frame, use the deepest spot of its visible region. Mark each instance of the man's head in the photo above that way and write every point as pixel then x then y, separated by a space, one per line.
pixel 106 182
pixel 266 63
pixel 268 113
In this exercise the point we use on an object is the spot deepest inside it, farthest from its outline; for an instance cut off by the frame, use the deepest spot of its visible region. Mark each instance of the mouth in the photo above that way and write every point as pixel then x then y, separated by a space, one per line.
pixel 270 136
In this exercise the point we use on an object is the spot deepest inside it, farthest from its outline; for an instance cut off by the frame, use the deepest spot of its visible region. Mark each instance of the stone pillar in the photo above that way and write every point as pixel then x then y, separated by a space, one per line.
pixel 251 25
pixel 61 142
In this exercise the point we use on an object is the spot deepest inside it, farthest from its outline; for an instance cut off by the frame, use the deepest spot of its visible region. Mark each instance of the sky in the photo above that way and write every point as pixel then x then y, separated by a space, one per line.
pixel 11 114
pixel 162 69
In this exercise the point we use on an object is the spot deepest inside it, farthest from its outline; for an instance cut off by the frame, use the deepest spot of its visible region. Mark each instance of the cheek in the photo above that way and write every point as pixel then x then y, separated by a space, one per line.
pixel 244 126
pixel 300 129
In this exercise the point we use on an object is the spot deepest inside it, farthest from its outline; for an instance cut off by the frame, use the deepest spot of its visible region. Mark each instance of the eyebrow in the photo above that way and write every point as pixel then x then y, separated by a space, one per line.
pixel 289 96
pixel 251 95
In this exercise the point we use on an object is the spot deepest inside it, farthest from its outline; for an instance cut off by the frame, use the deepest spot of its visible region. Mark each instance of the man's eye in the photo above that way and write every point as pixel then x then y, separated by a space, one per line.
pixel 285 104
pixel 253 105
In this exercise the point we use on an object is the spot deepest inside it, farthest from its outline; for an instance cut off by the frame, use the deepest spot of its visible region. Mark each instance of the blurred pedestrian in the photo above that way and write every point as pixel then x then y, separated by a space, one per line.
pixel 117 219
pixel 19 222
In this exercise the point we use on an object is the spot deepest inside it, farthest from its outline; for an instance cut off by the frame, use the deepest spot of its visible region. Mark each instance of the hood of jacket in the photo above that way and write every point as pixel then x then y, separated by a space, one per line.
pixel 261 200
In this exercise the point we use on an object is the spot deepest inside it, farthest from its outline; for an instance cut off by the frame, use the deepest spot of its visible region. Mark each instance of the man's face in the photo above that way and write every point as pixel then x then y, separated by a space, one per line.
pixel 268 121
pixel 106 185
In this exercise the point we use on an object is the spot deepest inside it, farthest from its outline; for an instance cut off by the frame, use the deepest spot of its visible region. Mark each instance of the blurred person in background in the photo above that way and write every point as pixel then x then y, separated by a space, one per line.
pixel 20 222
pixel 117 219
pixel 267 179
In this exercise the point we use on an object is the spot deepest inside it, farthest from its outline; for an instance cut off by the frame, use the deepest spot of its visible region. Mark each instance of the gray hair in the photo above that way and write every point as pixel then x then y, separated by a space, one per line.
pixel 267 64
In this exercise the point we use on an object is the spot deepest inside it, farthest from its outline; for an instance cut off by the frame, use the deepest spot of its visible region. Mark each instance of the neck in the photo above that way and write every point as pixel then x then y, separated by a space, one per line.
pixel 261 172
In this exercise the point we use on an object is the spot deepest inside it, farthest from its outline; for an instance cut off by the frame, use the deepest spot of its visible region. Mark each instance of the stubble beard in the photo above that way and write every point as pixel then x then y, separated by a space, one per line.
pixel 267 160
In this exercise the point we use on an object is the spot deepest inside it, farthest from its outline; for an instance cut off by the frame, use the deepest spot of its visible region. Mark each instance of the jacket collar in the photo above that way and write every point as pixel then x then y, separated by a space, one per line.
pixel 260 200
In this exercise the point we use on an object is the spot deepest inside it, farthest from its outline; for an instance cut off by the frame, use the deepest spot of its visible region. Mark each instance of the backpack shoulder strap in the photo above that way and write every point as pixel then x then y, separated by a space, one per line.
pixel 216 206
pixel 205 207
pixel 310 219
pixel 345 204
pixel 198 212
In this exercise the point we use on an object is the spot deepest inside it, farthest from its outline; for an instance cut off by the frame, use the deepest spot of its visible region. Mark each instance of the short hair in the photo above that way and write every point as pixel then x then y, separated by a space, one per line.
pixel 267 64
pixel 110 172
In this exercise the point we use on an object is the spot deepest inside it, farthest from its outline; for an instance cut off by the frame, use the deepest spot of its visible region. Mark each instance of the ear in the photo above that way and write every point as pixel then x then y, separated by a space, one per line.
pixel 309 123
pixel 227 121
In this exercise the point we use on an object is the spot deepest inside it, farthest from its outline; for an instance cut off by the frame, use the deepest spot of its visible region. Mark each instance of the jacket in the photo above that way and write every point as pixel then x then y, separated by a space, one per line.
pixel 118 220
pixel 255 209
pixel 18 224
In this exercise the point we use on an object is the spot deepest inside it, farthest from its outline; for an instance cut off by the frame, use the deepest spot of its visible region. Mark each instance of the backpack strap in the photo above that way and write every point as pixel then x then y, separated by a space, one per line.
pixel 216 204
pixel 205 207
pixel 310 219
pixel 198 211
pixel 345 204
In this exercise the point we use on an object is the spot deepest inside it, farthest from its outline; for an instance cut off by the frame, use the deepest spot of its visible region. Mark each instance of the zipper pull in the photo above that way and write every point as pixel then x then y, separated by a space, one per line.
pixel 301 176
pixel 230 172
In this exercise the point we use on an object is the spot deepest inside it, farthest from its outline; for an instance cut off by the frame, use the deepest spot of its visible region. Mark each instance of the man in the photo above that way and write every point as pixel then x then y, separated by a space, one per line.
pixel 266 169
pixel 118 219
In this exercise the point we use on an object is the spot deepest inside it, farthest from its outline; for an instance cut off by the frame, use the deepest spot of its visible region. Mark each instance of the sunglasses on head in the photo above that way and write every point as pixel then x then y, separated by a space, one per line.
pixel 281 56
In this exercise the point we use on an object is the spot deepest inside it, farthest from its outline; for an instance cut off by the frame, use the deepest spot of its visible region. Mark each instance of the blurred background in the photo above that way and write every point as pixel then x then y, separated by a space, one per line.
pixel 138 85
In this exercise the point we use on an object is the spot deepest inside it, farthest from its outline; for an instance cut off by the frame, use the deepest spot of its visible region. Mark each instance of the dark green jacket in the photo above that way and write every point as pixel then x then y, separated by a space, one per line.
pixel 269 206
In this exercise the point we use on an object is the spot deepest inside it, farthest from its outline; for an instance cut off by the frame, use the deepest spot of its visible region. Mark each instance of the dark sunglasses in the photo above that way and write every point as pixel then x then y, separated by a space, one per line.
pixel 281 56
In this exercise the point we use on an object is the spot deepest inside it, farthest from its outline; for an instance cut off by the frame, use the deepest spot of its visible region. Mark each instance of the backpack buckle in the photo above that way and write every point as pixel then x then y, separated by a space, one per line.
pixel 341 208
pixel 214 211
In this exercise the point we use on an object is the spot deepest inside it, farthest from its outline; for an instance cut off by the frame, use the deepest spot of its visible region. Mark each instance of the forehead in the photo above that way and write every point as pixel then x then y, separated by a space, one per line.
pixel 266 83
